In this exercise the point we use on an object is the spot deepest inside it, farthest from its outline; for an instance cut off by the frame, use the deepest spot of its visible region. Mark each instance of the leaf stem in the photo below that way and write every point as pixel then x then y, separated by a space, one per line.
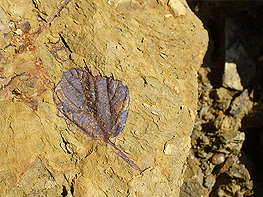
pixel 51 18
pixel 123 156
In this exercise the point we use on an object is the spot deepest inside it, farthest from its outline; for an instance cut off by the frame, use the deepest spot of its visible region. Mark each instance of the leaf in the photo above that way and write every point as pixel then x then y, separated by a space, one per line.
pixel 96 105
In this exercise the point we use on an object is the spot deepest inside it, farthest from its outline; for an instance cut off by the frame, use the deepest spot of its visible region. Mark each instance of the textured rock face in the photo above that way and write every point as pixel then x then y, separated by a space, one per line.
pixel 144 45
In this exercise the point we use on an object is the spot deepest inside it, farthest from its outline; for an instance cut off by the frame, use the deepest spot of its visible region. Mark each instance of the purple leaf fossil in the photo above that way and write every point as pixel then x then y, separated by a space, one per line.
pixel 96 105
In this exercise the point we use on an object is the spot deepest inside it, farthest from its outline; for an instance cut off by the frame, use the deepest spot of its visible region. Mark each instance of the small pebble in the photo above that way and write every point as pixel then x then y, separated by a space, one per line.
pixel 218 158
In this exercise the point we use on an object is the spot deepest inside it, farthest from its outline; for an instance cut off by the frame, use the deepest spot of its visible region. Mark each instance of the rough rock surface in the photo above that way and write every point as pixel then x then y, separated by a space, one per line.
pixel 231 78
pixel 228 118
pixel 152 51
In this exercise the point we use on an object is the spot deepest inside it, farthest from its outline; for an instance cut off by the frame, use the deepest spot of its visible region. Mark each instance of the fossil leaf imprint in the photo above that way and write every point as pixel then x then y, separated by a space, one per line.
pixel 96 105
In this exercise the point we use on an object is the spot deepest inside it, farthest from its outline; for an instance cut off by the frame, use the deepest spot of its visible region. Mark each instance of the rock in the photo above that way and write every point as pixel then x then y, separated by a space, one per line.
pixel 224 98
pixel 239 184
pixel 232 159
pixel 231 140
pixel 207 167
pixel 218 158
pixel 240 172
pixel 231 78
pixel 206 113
pixel 209 181
pixel 157 57
pixel 194 171
pixel 205 139
pixel 224 122
pixel 207 87
pixel 241 105
pixel 192 188
pixel 177 7
pixel 203 72
pixel 37 180
pixel 194 179
pixel 228 190
pixel 196 133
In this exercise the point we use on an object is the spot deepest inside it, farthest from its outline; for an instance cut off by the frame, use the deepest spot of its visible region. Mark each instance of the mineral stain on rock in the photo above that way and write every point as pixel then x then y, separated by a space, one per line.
pixel 98 106
pixel 22 74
